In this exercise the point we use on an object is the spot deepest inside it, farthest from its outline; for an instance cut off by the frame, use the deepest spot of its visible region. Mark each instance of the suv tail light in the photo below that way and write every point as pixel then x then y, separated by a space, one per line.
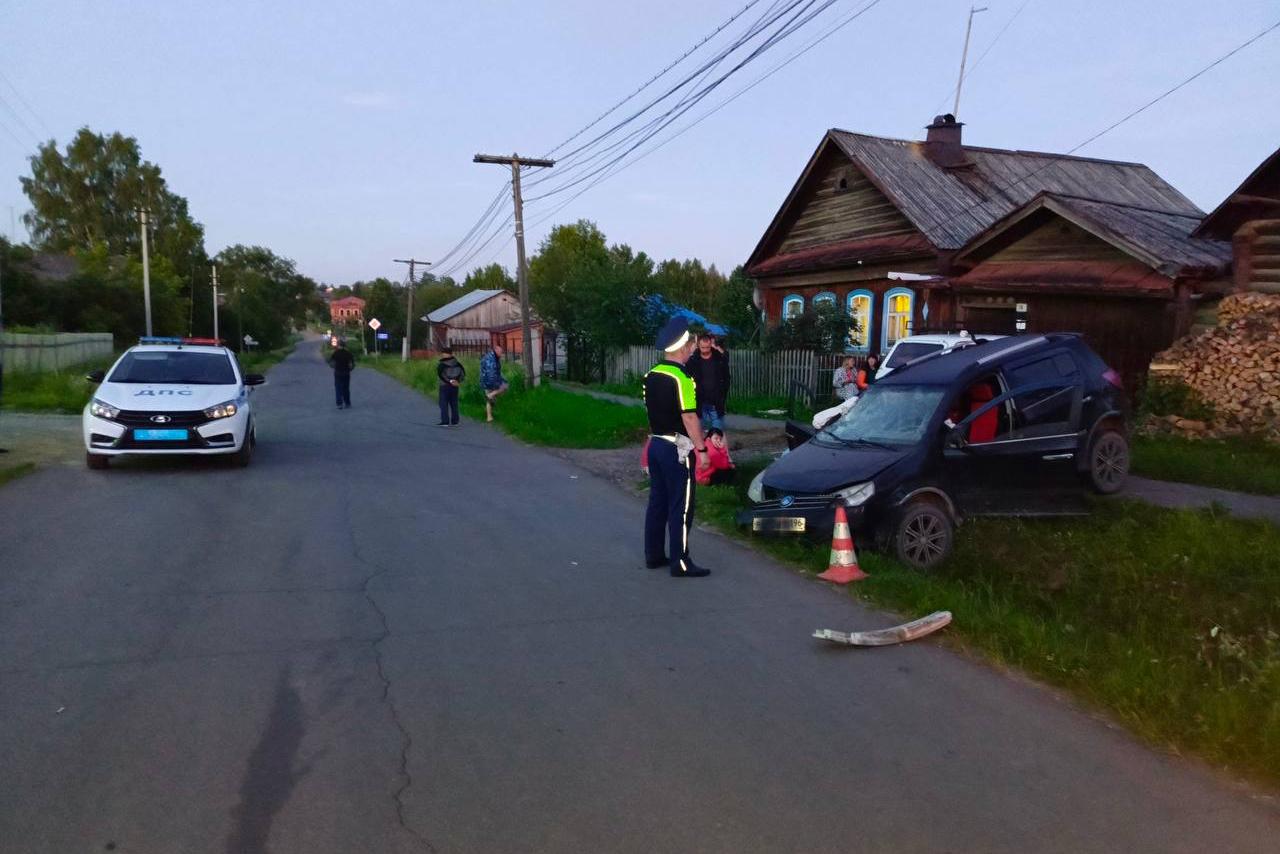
pixel 1112 377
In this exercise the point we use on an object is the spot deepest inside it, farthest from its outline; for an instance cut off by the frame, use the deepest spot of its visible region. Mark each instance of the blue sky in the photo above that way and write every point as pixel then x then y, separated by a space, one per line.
pixel 341 134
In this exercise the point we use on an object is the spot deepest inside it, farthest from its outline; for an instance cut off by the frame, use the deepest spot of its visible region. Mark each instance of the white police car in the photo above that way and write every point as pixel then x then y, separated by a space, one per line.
pixel 171 396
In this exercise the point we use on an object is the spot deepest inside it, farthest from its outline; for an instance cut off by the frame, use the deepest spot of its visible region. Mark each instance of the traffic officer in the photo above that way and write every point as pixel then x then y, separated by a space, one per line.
pixel 676 444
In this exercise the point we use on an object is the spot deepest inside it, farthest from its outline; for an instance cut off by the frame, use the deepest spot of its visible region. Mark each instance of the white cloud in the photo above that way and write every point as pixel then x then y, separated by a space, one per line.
pixel 371 100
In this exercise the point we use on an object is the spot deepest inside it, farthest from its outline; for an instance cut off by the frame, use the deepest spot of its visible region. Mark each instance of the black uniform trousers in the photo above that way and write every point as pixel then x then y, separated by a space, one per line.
pixel 342 387
pixel 670 512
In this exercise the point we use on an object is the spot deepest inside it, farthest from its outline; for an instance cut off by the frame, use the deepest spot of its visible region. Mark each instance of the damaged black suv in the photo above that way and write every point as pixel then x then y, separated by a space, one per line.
pixel 1014 426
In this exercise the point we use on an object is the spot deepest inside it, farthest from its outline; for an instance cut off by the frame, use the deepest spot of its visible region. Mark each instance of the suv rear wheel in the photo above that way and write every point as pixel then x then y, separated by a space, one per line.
pixel 1108 462
pixel 923 535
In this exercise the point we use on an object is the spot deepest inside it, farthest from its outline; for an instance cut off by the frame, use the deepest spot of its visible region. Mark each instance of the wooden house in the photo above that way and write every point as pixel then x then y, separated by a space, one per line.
pixel 885 228
pixel 476 320
pixel 1250 219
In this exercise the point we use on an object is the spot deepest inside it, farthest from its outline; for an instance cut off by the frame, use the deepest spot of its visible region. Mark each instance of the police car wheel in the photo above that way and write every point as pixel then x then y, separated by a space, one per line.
pixel 96 461
pixel 245 454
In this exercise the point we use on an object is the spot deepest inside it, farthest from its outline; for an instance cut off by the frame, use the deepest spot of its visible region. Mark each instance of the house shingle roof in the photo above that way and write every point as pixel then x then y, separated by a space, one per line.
pixel 952 206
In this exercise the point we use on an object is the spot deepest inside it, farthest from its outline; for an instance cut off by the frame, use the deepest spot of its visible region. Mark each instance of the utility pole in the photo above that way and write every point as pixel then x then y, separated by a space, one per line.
pixel 146 268
pixel 408 311
pixel 964 56
pixel 531 371
pixel 215 302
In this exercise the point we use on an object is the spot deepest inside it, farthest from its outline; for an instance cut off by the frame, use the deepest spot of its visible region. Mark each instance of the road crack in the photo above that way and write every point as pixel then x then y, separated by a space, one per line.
pixel 406 740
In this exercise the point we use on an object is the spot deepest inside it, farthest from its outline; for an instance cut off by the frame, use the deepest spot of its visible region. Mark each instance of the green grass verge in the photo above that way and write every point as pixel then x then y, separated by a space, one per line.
pixel 737 404
pixel 540 416
pixel 1244 465
pixel 1168 619
pixel 51 391
pixel 8 473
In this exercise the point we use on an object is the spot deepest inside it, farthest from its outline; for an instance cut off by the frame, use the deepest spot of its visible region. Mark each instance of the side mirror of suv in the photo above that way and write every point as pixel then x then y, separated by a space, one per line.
pixel 96 376
pixel 254 379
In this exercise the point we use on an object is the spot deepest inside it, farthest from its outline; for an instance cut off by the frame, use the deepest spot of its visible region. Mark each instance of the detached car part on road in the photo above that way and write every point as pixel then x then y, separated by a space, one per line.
pixel 1014 426
pixel 171 396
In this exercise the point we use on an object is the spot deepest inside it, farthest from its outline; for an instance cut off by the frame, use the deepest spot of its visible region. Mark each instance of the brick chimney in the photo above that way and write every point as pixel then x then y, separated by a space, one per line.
pixel 942 145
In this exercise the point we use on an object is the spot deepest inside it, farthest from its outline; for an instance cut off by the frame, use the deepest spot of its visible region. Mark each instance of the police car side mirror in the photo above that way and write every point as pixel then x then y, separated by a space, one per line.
pixel 254 379
pixel 96 376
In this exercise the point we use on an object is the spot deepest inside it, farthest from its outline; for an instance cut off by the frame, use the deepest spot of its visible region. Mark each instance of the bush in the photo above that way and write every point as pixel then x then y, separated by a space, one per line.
pixel 1166 396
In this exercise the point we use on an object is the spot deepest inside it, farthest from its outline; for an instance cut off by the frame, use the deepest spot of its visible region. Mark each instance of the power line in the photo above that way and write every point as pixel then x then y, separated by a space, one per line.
pixel 1053 162
pixel 794 56
pixel 654 78
pixel 791 26
pixel 25 103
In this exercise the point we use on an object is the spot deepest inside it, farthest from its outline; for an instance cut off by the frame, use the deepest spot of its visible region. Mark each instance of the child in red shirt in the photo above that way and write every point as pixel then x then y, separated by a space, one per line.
pixel 721 469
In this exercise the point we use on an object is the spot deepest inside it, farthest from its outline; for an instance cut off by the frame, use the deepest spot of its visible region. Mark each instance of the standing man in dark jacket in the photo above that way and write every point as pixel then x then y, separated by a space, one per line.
pixel 343 363
pixel 451 374
pixel 709 368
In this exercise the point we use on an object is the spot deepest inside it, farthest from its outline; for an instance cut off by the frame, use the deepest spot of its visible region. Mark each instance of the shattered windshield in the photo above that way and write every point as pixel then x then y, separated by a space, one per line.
pixel 889 415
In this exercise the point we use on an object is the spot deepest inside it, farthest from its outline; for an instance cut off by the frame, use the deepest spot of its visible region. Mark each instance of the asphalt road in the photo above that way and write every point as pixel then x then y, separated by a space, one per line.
pixel 388 637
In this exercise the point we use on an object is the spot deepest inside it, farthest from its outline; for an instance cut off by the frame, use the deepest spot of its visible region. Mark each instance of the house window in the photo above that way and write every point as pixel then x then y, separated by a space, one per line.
pixel 825 298
pixel 898 306
pixel 792 306
pixel 860 311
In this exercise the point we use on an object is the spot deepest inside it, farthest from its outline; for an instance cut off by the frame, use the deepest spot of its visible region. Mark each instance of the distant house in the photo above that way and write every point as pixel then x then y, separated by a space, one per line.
pixel 478 318
pixel 347 310
pixel 909 236
pixel 1250 219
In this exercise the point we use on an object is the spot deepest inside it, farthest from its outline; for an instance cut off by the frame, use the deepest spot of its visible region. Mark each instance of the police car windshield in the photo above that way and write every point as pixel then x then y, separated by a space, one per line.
pixel 889 415
pixel 178 367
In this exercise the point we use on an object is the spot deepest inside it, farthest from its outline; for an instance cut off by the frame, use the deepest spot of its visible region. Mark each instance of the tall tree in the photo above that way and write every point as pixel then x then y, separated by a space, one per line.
pixel 589 292
pixel 89 196
pixel 493 277
pixel 265 294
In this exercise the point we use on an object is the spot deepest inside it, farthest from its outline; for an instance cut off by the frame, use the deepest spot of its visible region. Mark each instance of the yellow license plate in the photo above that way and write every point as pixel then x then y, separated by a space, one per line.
pixel 781 525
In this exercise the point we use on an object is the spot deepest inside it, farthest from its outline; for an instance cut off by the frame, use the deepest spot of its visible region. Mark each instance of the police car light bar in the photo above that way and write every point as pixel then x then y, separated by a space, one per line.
pixel 161 339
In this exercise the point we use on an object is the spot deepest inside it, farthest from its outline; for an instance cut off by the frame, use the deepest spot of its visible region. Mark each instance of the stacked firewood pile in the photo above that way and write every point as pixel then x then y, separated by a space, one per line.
pixel 1234 367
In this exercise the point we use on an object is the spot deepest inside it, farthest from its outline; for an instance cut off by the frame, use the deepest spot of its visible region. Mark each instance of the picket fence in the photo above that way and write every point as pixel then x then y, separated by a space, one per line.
pixel 803 374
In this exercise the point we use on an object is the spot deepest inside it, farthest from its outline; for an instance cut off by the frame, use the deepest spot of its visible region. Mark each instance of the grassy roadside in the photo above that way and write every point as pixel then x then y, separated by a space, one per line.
pixel 540 416
pixel 1244 464
pixel 757 406
pixel 52 391
pixel 1169 620
pixel 8 473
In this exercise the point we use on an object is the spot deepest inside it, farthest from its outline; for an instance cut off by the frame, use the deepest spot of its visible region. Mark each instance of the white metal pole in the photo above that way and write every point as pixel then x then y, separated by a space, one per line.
pixel 964 55
pixel 215 302
pixel 146 270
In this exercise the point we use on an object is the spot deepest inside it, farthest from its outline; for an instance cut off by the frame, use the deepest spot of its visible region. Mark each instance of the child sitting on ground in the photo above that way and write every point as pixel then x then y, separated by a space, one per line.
pixel 721 469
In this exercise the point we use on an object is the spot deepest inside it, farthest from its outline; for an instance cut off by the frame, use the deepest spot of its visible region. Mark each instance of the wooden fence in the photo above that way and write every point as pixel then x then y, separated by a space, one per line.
pixel 32 353
pixel 803 374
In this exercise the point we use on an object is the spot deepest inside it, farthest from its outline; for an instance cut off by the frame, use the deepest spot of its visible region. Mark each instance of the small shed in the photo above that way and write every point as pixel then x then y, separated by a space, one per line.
pixel 475 320
pixel 1250 219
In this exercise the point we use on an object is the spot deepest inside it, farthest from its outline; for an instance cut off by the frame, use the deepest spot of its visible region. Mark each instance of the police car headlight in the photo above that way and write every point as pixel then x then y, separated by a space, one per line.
pixel 756 490
pixel 222 410
pixel 856 495
pixel 98 409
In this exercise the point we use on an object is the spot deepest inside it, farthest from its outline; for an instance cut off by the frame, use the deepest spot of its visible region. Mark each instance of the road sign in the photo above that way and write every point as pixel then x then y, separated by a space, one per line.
pixel 375 324
pixel 383 336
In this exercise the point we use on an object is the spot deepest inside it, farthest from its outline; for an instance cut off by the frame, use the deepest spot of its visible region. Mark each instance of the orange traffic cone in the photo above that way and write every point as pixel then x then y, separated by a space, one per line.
pixel 843 566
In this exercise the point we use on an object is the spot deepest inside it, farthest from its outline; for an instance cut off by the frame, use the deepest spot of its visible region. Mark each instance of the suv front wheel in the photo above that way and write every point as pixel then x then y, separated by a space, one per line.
pixel 1108 462
pixel 923 535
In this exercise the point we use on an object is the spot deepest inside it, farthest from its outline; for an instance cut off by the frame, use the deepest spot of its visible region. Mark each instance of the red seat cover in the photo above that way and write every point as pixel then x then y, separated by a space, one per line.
pixel 983 428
